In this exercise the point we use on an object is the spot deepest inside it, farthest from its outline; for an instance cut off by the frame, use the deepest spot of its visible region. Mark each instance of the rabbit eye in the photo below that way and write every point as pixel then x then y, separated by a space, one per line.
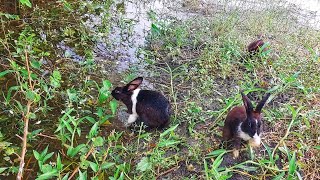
pixel 117 91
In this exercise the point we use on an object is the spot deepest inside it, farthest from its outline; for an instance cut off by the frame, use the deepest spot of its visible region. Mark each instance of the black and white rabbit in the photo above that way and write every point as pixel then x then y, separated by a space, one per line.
pixel 244 122
pixel 151 107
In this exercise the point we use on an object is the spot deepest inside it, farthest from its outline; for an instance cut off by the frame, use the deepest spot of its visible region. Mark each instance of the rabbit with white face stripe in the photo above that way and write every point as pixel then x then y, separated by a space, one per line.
pixel 151 107
pixel 244 122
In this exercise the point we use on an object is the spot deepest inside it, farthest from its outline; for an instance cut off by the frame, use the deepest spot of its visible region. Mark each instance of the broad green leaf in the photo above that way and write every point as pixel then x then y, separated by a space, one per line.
pixel 3 169
pixel 44 152
pixel 144 164
pixel 292 164
pixel 4 144
pixel 10 16
pixel 84 164
pixel 79 131
pixel 106 84
pixel 216 163
pixel 97 177
pixel 14 65
pixel 67 114
pixel 9 151
pixel 121 176
pixel 103 95
pixel 82 176
pixel 171 129
pixel 166 143
pixel 45 168
pixel 107 165
pixel 94 130
pixel 113 106
pixel 46 157
pixel 36 155
pixel 59 164
pixel 73 151
pixel 35 132
pixel 206 169
pixel 65 177
pixel 55 79
pixel 72 95
pixel 30 95
pixel 26 3
pixel 3 73
pixel 217 152
pixel 104 92
pixel 68 126
pixel 48 175
pixel 94 166
pixel 98 141
pixel 90 119
pixel 317 147
pixel 154 29
pixel 12 88
pixel 32 116
pixel 33 76
pixel 35 64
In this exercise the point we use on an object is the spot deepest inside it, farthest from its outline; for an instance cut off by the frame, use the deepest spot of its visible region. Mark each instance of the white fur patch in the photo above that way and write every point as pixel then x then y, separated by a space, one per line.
pixel 133 117
pixel 242 134
pixel 235 153
pixel 255 141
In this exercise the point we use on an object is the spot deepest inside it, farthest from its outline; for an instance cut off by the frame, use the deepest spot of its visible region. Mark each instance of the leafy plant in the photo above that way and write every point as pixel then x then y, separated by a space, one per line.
pixel 214 171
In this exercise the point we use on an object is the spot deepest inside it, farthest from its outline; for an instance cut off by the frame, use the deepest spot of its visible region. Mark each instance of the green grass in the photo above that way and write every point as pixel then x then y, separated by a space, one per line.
pixel 200 64
pixel 211 68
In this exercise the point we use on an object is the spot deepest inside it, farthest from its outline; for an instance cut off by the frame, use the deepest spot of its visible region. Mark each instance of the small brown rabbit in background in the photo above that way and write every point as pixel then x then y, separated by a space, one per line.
pixel 254 46
pixel 151 107
pixel 244 122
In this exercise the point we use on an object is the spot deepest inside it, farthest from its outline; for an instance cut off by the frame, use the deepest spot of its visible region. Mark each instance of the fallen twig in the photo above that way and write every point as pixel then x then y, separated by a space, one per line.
pixel 167 171
pixel 26 123
pixel 43 135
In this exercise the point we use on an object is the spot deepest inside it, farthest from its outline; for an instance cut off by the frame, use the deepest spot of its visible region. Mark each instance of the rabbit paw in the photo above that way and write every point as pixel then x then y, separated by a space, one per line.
pixel 235 153
pixel 132 118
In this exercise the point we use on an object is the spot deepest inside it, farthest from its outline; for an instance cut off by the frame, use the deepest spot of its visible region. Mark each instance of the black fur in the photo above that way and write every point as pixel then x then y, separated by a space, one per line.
pixel 250 126
pixel 152 107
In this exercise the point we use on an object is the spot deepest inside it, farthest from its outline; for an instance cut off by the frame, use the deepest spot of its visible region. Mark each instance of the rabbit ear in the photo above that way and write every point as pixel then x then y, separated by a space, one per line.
pixel 134 84
pixel 247 103
pixel 262 102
